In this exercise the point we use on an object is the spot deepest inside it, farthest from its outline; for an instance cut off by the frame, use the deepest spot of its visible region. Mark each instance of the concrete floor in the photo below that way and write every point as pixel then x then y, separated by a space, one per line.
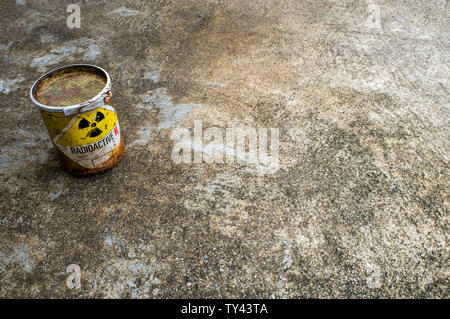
pixel 358 207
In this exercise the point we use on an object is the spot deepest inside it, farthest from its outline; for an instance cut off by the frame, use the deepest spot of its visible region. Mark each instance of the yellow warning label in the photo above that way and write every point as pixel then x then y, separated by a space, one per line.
pixel 89 127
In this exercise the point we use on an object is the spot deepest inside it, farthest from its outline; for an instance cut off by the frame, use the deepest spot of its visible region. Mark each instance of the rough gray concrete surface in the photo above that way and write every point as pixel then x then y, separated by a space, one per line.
pixel 358 208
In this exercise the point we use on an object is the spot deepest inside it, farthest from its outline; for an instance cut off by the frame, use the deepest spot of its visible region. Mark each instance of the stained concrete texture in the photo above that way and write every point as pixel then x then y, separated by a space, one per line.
pixel 357 208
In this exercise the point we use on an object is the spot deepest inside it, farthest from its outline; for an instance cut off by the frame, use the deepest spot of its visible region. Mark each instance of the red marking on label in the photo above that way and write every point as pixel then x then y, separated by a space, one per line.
pixel 116 131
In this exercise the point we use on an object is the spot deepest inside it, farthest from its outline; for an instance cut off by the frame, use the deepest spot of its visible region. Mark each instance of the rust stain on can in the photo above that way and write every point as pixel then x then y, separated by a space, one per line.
pixel 75 103
pixel 69 87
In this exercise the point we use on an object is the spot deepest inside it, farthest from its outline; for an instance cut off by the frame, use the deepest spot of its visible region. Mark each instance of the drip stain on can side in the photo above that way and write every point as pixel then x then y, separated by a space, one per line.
pixel 80 117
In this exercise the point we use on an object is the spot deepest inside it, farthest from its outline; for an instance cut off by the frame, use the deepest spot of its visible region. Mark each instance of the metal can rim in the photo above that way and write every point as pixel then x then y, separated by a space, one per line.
pixel 76 108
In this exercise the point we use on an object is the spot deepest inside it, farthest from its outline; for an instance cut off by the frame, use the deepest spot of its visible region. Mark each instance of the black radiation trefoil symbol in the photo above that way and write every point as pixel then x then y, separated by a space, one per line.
pixel 94 131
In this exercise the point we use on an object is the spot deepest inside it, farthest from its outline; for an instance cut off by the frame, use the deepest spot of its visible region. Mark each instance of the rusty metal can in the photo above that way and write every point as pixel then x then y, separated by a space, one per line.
pixel 75 103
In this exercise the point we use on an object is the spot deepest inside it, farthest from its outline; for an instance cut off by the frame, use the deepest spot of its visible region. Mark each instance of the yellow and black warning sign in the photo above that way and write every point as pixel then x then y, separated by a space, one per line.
pixel 90 137
pixel 90 127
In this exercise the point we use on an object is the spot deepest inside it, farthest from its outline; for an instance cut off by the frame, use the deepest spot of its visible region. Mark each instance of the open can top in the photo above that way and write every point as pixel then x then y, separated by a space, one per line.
pixel 92 102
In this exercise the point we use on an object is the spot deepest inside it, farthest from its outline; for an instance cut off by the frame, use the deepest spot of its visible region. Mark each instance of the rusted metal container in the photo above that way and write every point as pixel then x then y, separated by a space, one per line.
pixel 75 103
